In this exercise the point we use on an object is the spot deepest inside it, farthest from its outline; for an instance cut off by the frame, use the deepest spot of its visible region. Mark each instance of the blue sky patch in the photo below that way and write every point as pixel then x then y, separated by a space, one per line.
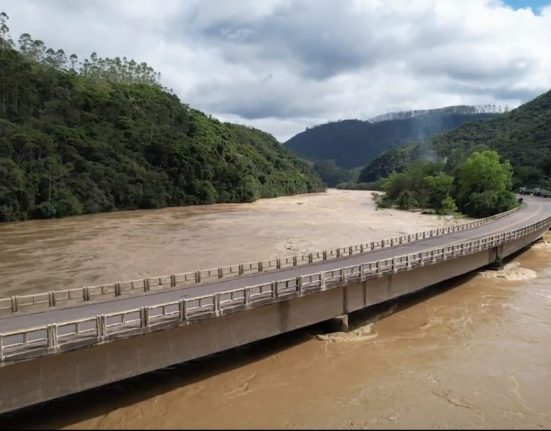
pixel 535 5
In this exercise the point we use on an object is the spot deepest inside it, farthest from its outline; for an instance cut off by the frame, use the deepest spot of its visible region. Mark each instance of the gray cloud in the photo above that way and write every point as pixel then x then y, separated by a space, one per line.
pixel 315 39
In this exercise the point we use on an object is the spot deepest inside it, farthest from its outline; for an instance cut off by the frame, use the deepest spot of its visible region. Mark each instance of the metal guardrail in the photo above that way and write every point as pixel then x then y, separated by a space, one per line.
pixel 71 297
pixel 60 337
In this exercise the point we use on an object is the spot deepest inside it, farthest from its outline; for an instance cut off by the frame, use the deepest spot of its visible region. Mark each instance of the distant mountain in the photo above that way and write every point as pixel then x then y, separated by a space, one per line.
pixel 522 136
pixel 353 143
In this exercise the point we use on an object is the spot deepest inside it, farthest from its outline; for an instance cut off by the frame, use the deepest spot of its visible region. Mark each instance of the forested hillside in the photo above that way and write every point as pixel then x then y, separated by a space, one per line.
pixel 353 143
pixel 522 136
pixel 394 160
pixel 99 135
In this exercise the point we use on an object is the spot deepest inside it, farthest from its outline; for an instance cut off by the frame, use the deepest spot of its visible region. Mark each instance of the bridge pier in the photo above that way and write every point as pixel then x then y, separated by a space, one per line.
pixel 338 324
pixel 498 257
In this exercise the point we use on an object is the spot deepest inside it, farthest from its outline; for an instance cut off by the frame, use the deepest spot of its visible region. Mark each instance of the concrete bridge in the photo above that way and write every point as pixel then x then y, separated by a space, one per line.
pixel 57 343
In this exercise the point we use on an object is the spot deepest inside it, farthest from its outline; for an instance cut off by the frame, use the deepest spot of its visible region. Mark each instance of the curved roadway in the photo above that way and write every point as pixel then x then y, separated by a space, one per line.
pixel 535 210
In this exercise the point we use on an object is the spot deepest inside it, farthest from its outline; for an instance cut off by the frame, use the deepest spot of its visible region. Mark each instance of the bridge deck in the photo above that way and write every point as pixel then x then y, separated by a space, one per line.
pixel 535 210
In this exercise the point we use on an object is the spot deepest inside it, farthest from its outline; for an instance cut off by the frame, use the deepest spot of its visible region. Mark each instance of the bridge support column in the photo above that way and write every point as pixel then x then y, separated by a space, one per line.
pixel 498 259
pixel 338 324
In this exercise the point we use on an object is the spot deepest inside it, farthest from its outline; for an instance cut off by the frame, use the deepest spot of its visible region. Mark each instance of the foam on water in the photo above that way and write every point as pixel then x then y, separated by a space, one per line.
pixel 510 272
pixel 362 333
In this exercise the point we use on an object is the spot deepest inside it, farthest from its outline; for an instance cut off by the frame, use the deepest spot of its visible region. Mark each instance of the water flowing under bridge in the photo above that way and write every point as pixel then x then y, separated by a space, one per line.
pixel 61 342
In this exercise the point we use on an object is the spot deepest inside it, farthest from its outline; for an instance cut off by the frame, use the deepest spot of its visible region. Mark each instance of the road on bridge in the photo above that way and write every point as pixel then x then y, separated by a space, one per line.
pixel 536 209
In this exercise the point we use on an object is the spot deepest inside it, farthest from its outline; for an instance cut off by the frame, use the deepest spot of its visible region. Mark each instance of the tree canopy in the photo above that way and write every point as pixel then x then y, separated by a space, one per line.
pixel 484 184
pixel 479 187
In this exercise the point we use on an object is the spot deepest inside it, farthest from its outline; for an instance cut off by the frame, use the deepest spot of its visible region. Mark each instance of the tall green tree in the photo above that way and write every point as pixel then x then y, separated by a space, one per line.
pixel 5 40
pixel 484 184
pixel 439 189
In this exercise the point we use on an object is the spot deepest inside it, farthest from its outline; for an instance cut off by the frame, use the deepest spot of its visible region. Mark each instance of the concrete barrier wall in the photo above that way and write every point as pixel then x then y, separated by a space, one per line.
pixel 47 377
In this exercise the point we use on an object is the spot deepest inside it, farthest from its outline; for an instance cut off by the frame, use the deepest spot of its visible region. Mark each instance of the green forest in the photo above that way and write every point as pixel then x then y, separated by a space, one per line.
pixel 522 136
pixel 473 168
pixel 479 187
pixel 102 134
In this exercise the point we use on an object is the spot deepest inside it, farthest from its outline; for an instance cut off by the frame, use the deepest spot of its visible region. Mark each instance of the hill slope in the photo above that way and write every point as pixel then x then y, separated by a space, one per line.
pixel 522 136
pixel 393 160
pixel 353 143
pixel 71 144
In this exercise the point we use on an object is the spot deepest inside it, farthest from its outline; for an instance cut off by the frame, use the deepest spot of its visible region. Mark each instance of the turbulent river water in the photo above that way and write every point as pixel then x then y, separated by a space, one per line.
pixel 471 353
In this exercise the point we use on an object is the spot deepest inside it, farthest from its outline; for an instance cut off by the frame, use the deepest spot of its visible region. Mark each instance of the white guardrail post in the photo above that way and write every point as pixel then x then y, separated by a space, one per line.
pixel 101 329
pixel 247 294
pixel 299 285
pixel 144 317
pixel 51 331
pixel 217 304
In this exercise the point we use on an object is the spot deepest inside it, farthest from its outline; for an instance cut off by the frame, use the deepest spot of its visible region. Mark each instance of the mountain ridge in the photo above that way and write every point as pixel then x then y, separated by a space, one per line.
pixel 455 109
pixel 352 143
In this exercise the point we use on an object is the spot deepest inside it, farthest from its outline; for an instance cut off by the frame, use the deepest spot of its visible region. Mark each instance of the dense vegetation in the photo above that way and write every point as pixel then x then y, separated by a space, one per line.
pixel 394 160
pixel 331 174
pixel 522 136
pixel 353 143
pixel 104 135
pixel 479 187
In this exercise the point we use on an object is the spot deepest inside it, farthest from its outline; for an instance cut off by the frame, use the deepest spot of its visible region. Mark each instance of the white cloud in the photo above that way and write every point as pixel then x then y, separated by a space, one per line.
pixel 282 65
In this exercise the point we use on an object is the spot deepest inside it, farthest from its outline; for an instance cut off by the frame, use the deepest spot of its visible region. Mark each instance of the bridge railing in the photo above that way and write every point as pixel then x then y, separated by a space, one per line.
pixel 69 335
pixel 68 297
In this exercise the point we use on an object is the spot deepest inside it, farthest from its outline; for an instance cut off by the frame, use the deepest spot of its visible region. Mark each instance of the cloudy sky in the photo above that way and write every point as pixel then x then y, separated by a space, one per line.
pixel 283 65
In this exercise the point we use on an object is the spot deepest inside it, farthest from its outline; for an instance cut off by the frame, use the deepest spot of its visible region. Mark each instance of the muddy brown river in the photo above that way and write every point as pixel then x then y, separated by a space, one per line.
pixel 471 353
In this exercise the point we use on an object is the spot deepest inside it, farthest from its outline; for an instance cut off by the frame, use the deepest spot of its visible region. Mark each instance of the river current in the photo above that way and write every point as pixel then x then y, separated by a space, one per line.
pixel 471 353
